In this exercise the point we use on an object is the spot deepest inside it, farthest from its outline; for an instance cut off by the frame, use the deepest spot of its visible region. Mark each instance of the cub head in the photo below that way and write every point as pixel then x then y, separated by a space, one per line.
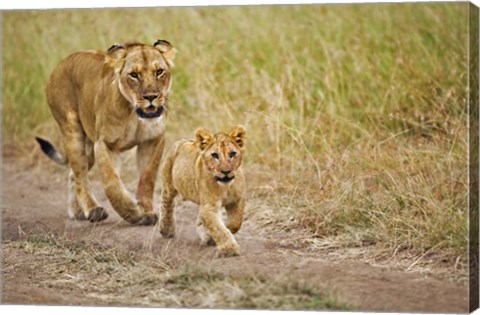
pixel 222 153
pixel 143 74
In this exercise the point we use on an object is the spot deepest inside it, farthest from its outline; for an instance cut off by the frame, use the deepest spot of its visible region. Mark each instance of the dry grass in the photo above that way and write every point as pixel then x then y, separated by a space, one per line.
pixel 109 276
pixel 356 113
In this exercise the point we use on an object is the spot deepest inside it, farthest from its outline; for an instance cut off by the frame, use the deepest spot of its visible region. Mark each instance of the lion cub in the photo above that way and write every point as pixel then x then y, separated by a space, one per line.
pixel 207 171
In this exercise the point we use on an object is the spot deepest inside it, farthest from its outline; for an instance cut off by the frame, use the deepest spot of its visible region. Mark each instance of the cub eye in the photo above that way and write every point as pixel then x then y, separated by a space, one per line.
pixel 215 155
pixel 232 154
pixel 134 75
pixel 159 72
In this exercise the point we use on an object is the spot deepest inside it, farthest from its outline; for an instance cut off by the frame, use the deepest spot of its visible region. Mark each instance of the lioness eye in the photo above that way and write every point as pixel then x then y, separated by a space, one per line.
pixel 215 155
pixel 134 75
pixel 159 72
pixel 232 154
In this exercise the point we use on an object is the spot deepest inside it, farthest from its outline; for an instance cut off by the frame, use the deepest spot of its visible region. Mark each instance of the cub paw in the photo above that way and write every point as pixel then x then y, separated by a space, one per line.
pixel 97 214
pixel 207 240
pixel 167 230
pixel 229 250
pixel 211 242
pixel 148 219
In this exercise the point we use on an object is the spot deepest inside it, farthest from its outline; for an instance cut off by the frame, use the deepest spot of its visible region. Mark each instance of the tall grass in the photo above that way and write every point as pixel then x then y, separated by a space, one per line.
pixel 356 114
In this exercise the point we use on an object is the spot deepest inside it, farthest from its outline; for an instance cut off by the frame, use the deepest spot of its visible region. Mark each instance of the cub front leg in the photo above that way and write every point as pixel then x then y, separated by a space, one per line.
pixel 226 244
pixel 122 201
pixel 205 239
pixel 167 217
pixel 149 154
pixel 235 215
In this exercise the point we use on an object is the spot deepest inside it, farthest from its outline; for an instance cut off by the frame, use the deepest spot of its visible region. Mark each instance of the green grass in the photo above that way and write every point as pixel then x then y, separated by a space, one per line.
pixel 356 114
pixel 111 276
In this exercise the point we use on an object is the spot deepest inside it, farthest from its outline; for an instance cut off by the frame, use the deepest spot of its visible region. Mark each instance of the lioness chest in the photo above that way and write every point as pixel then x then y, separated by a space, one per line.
pixel 135 131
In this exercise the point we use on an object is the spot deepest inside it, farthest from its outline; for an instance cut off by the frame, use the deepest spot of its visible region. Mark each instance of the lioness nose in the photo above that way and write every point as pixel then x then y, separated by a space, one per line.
pixel 150 97
pixel 225 172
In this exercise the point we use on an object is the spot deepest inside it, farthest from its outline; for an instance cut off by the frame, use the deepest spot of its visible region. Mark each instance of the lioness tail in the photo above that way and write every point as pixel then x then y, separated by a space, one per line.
pixel 51 152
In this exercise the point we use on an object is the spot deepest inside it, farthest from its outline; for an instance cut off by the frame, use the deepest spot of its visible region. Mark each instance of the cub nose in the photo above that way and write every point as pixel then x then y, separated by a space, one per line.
pixel 225 172
pixel 150 97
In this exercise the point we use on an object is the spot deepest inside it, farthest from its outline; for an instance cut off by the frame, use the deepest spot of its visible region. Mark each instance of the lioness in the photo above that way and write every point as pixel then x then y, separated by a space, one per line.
pixel 106 103
pixel 207 171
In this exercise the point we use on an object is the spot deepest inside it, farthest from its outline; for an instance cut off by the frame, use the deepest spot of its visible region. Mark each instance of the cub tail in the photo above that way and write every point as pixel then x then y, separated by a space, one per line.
pixel 51 152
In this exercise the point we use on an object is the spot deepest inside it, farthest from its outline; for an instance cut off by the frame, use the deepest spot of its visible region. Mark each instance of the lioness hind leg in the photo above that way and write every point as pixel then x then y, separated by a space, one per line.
pixel 75 148
pixel 74 211
pixel 235 215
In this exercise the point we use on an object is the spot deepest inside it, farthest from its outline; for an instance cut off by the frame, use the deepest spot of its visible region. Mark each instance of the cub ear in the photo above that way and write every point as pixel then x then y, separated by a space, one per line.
pixel 114 55
pixel 238 135
pixel 167 50
pixel 203 137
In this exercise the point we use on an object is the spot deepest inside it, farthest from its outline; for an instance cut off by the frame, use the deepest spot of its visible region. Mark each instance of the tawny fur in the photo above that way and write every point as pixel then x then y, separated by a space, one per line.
pixel 106 103
pixel 207 171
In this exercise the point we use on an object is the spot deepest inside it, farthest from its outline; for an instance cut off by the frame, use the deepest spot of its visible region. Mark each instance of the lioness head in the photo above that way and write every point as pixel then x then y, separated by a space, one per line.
pixel 143 74
pixel 222 153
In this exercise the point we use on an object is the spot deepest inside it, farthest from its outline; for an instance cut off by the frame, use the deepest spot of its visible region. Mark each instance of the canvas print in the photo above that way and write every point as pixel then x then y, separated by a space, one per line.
pixel 285 157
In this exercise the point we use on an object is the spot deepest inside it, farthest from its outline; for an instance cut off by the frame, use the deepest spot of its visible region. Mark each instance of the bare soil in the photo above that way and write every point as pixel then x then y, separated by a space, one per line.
pixel 34 203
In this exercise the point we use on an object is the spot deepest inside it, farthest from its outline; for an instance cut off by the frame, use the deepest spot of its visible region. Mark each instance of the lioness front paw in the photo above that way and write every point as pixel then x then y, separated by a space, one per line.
pixel 148 219
pixel 229 250
pixel 80 216
pixel 97 214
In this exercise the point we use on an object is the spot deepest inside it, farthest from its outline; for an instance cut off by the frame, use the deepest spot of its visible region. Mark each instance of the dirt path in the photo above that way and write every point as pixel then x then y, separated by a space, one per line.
pixel 33 203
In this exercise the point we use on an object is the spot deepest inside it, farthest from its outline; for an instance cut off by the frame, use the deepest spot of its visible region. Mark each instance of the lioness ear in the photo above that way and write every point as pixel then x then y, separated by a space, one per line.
pixel 116 51
pixel 202 137
pixel 114 55
pixel 238 135
pixel 167 50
